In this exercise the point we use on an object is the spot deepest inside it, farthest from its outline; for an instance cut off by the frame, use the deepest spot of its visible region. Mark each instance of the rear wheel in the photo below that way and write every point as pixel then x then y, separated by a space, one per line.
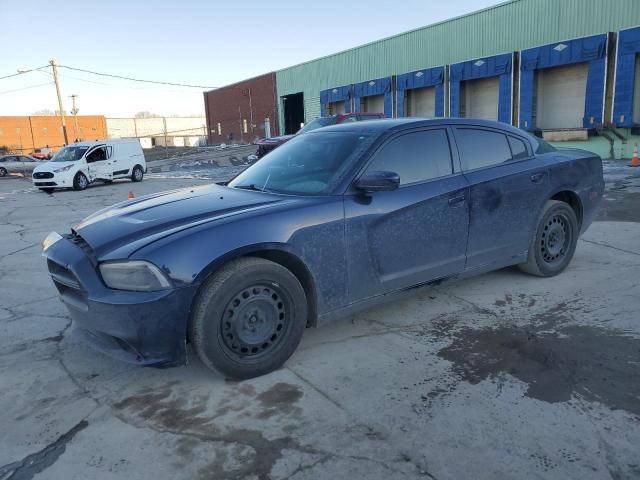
pixel 3 172
pixel 248 318
pixel 137 174
pixel 80 182
pixel 554 241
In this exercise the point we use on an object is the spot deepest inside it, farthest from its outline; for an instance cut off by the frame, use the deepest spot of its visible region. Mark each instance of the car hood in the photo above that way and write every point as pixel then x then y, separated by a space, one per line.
pixel 51 166
pixel 149 218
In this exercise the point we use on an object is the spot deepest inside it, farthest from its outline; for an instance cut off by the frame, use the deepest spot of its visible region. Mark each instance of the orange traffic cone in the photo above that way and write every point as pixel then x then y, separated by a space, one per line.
pixel 131 195
pixel 635 161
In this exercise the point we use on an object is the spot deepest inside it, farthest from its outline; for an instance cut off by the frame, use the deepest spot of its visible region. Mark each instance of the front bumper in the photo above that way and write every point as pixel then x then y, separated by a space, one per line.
pixel 144 328
pixel 51 180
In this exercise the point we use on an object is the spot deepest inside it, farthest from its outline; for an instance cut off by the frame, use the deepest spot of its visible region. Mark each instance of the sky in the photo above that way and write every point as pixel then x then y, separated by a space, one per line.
pixel 206 43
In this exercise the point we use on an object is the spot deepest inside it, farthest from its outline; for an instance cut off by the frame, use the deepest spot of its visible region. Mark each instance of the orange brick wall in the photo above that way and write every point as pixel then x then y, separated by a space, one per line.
pixel 26 133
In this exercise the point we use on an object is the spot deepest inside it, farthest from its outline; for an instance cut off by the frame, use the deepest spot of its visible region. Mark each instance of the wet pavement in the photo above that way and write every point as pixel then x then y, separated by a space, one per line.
pixel 502 376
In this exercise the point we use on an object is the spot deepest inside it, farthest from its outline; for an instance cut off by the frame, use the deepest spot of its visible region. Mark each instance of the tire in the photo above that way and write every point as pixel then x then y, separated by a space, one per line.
pixel 554 241
pixel 137 174
pixel 80 182
pixel 248 318
pixel 3 172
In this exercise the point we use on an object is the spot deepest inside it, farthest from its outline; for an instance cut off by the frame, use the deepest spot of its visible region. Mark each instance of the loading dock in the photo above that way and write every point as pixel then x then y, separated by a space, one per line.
pixel 293 106
pixel 374 96
pixel 560 94
pixel 562 85
pixel 626 103
pixel 336 100
pixel 420 93
pixel 482 88
pixel 479 98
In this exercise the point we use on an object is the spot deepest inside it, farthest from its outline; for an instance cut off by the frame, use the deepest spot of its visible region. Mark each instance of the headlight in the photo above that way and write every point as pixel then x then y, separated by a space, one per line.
pixel 50 239
pixel 135 275
pixel 63 169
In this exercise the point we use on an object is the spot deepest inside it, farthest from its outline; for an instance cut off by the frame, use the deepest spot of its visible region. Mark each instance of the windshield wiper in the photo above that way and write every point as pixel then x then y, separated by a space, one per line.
pixel 249 187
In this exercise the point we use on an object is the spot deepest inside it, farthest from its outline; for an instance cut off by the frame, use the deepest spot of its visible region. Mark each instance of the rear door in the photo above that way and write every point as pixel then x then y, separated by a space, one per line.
pixel 416 233
pixel 98 163
pixel 508 185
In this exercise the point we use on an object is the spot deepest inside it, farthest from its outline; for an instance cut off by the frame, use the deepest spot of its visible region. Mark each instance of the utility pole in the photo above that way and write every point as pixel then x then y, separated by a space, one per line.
pixel 54 67
pixel 74 112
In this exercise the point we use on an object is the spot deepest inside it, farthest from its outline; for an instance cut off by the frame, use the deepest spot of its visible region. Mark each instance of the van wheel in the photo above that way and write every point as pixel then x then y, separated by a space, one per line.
pixel 137 174
pixel 554 241
pixel 80 182
pixel 248 318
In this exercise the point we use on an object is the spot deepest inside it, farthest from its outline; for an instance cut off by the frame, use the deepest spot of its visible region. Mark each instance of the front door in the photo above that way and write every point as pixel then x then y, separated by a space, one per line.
pixel 416 233
pixel 508 186
pixel 98 163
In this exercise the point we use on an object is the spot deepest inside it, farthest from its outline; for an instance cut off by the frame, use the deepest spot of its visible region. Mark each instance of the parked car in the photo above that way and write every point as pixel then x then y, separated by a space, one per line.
pixel 42 153
pixel 79 164
pixel 265 145
pixel 23 164
pixel 332 222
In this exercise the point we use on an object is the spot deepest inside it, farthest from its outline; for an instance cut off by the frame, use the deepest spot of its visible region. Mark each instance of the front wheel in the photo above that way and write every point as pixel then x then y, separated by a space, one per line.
pixel 248 318
pixel 137 174
pixel 80 182
pixel 554 241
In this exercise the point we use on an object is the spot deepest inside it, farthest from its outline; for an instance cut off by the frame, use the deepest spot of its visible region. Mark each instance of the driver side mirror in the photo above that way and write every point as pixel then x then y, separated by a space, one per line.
pixel 378 182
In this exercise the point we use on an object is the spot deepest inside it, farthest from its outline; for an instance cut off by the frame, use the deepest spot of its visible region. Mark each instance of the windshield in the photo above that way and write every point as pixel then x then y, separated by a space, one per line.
pixel 69 154
pixel 317 123
pixel 310 164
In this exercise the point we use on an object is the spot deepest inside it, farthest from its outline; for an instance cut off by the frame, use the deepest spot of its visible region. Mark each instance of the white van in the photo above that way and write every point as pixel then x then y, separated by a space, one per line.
pixel 79 164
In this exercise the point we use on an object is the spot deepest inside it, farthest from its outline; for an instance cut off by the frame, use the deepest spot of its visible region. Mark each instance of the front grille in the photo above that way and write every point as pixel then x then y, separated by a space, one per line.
pixel 68 285
pixel 46 184
pixel 39 175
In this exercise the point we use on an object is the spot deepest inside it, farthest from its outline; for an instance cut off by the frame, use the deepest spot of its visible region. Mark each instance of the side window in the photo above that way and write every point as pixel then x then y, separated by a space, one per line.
pixel 349 119
pixel 97 155
pixel 416 156
pixel 109 151
pixel 518 148
pixel 481 148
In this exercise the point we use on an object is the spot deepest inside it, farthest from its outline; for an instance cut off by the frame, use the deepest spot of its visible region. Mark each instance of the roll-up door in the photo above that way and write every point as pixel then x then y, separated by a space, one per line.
pixel 560 96
pixel 373 104
pixel 421 102
pixel 335 108
pixel 479 98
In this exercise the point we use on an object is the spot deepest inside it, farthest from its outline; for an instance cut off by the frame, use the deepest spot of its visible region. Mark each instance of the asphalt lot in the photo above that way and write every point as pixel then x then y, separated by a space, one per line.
pixel 504 376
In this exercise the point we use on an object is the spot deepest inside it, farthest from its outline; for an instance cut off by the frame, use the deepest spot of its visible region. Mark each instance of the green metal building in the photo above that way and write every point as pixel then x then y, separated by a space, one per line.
pixel 521 38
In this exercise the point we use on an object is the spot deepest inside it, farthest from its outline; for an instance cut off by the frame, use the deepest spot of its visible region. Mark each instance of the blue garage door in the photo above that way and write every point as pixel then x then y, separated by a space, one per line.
pixel 373 88
pixel 334 95
pixel 591 50
pixel 429 77
pixel 626 102
pixel 497 66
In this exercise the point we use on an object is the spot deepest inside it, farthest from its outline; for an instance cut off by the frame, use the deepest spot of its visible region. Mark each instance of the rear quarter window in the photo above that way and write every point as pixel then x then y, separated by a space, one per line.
pixel 481 148
pixel 518 148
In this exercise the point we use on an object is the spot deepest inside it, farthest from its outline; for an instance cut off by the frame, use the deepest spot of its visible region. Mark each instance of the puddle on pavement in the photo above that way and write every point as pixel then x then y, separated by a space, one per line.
pixel 571 361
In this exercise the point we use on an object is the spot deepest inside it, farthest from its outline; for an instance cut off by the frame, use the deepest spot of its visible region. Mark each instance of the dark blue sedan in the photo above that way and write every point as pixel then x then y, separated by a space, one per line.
pixel 331 222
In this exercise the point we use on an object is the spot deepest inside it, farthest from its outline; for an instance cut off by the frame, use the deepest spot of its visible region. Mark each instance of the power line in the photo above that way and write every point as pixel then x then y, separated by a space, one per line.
pixel 26 88
pixel 135 79
pixel 22 72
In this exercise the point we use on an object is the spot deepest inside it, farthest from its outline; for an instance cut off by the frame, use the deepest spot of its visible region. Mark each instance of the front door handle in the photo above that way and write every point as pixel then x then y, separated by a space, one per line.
pixel 537 177
pixel 456 201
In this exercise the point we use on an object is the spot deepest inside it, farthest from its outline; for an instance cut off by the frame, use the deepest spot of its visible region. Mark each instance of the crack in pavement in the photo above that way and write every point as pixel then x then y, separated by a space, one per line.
pixel 602 244
pixel 35 463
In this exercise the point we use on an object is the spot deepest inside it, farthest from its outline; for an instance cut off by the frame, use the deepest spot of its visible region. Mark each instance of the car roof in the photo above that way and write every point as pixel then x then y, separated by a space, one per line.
pixel 395 124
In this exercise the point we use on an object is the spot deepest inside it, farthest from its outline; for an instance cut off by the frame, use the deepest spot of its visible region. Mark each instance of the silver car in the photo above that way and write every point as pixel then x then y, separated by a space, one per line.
pixel 23 164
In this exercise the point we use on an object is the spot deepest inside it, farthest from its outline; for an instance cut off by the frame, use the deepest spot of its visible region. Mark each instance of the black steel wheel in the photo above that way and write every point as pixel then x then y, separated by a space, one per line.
pixel 248 318
pixel 554 241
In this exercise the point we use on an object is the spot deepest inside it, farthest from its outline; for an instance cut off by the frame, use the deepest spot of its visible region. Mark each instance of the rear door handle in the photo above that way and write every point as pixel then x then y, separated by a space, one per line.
pixel 456 201
pixel 537 177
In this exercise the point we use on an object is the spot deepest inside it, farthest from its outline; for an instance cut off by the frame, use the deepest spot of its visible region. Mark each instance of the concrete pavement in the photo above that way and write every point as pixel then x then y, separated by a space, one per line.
pixel 502 376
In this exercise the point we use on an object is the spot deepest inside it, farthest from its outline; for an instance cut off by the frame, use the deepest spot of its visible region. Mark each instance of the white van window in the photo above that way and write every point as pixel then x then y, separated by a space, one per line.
pixel 69 154
pixel 109 151
pixel 97 155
